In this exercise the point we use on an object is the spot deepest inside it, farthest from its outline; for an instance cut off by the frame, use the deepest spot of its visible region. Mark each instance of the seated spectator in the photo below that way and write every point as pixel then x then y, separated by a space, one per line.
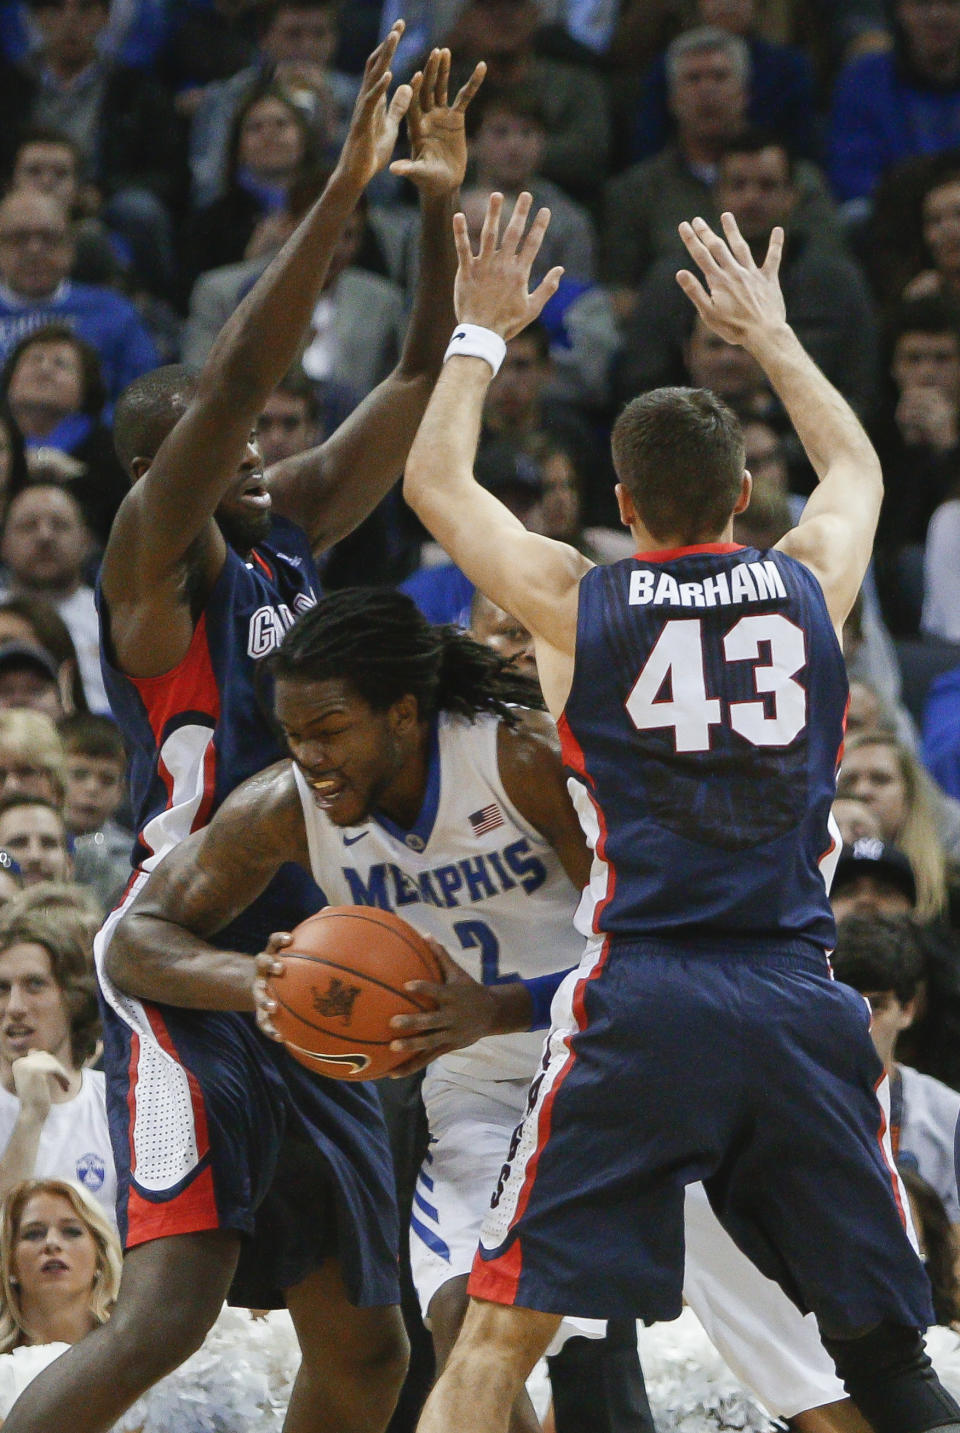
pixel 55 392
pixel 940 613
pixel 503 634
pixel 271 142
pixel 767 519
pixel 295 48
pixel 53 1115
pixel 34 620
pixel 913 813
pixel 562 503
pixel 44 548
pixel 780 95
pixel 576 110
pixel 40 1215
pixel 854 820
pixel 872 879
pixel 917 438
pixel 828 302
pixel 36 255
pixel 940 218
pixel 937 1245
pixel 31 757
pixel 707 74
pixel 76 907
pixel 48 161
pixel 13 459
pixel 29 680
pixel 508 139
pixel 941 732
pixel 121 119
pixel 96 766
pixel 11 884
pixel 896 104
pixel 728 371
pixel 33 832
pixel 883 961
pixel 290 420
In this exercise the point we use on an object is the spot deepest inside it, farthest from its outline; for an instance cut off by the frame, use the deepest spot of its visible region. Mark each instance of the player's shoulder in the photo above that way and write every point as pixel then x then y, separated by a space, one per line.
pixel 528 747
pixel 269 795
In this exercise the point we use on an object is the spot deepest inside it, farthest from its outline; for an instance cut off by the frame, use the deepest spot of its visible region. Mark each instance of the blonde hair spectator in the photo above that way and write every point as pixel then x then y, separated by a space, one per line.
pixel 106 1282
pixel 32 758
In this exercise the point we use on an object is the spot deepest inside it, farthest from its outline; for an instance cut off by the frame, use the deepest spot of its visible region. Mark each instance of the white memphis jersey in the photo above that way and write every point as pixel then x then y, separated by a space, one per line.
pixel 472 873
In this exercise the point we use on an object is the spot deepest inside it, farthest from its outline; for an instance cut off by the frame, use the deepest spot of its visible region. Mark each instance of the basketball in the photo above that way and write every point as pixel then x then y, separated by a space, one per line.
pixel 343 981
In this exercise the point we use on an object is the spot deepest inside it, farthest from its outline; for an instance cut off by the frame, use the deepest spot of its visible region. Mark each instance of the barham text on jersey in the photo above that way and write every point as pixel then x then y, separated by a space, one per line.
pixel 745 582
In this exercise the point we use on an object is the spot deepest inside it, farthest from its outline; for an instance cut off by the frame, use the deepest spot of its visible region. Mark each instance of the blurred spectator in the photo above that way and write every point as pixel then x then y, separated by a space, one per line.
pixel 883 961
pixel 50 1218
pixel 893 105
pixel 509 135
pixel 56 396
pixel 36 254
pixel 872 879
pixel 44 547
pixel 32 830
pixel 53 1118
pixel 591 23
pixel 208 40
pixel 563 503
pixel 940 614
pixel 32 619
pixel 767 519
pixel 295 48
pixel 77 909
pixel 729 372
pixel 937 1244
pixel 31 757
pixel 96 766
pixel 917 437
pixel 29 679
pixel 941 732
pixel 271 142
pixel 780 93
pixel 707 74
pixel 854 819
pixel 135 31
pixel 940 222
pixel 828 302
pixel 290 420
pixel 48 161
pixel 503 634
pixel 11 882
pixel 122 121
pixel 913 813
pixel 502 32
pixel 13 459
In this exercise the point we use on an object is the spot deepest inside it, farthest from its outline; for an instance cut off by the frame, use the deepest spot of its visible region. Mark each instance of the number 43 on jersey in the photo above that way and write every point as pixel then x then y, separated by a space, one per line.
pixel 678 656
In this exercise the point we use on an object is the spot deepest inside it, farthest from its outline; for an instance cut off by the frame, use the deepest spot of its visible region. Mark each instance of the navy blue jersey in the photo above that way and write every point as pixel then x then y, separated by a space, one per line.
pixel 702 732
pixel 196 732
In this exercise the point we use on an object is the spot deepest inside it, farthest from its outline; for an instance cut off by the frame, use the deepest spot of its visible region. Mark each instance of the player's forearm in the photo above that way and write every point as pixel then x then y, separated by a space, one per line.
pixel 443 452
pixel 260 340
pixel 432 317
pixel 825 423
pixel 152 959
pixel 19 1159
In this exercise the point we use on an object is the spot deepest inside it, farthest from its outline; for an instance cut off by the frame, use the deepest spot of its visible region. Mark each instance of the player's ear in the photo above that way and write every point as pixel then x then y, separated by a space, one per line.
pixel 404 714
pixel 746 492
pixel 628 513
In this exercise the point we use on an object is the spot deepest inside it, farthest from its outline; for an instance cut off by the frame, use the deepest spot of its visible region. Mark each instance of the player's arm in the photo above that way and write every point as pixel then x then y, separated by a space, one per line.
pixel 330 489
pixel 743 304
pixel 530 576
pixel 171 508
pixel 160 949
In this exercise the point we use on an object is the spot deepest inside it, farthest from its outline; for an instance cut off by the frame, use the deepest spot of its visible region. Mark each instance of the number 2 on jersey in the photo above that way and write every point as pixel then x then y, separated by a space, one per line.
pixel 677 654
pixel 473 934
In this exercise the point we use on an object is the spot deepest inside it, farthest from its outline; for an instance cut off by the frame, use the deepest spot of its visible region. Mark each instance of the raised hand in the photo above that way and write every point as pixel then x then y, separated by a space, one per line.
pixel 34 1076
pixel 374 125
pixel 437 131
pixel 491 287
pixel 741 300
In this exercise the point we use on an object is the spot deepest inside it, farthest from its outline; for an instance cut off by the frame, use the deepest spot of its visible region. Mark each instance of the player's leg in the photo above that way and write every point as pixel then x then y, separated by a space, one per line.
pixel 447 1311
pixel 171 1293
pixel 354 1359
pixel 488 1366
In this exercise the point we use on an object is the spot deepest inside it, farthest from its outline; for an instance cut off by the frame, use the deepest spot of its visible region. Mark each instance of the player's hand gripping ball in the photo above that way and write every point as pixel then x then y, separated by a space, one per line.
pixel 343 979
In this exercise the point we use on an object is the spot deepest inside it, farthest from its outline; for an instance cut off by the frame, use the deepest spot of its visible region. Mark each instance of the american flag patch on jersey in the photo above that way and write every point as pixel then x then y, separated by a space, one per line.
pixel 488 818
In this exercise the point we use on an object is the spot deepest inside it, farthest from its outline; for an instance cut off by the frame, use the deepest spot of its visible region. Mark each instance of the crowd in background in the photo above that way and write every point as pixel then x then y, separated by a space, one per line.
pixel 155 154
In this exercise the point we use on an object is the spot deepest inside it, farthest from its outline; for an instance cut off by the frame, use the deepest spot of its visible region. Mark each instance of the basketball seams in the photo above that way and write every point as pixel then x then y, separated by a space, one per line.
pixel 386 920
pixel 331 1034
pixel 355 975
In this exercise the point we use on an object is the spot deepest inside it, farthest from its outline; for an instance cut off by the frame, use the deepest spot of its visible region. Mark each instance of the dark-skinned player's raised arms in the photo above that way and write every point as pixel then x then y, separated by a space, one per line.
pixel 161 949
pixel 742 303
pixel 165 550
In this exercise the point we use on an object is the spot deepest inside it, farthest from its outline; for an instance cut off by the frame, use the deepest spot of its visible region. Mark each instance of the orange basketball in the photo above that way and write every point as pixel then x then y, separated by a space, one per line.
pixel 343 981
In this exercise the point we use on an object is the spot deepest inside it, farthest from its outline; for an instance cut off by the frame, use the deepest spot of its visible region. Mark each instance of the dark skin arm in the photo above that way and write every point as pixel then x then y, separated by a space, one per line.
pixel 160 949
pixel 330 489
pixel 168 514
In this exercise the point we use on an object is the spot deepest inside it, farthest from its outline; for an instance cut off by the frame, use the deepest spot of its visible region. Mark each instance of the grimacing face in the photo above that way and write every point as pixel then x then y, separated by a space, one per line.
pixel 348 752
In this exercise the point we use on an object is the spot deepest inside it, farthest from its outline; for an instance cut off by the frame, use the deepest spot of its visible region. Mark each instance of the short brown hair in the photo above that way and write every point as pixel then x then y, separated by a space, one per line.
pixel 71 967
pixel 679 453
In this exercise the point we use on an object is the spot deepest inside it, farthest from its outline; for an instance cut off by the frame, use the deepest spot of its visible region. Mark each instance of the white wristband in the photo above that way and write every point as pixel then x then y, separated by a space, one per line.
pixel 472 341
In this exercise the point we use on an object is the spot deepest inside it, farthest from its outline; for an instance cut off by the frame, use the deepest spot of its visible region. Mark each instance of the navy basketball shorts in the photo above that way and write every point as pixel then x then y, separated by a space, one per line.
pixel 213 1126
pixel 754 1073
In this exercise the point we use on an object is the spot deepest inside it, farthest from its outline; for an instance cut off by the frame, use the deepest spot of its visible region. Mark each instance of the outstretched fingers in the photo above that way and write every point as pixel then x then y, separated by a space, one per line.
pixel 739 247
pixel 461 238
pixel 428 89
pixel 513 233
pixel 771 264
pixel 694 291
pixel 399 106
pixel 491 225
pixel 468 90
pixel 442 82
pixel 381 58
pixel 695 236
pixel 545 289
pixel 534 239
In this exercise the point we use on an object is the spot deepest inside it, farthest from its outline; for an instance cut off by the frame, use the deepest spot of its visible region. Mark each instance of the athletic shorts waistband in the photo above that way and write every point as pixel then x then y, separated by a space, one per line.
pixel 797 954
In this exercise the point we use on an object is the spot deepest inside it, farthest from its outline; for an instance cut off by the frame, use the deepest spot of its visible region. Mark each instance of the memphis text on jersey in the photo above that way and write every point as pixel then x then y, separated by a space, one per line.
pixel 466 882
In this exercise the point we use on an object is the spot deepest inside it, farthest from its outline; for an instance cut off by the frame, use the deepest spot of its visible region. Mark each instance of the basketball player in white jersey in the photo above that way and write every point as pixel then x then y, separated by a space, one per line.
pixel 416 786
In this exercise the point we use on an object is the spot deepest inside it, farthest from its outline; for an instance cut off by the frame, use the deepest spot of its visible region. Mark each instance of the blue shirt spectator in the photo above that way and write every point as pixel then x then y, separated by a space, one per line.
pixel 941 732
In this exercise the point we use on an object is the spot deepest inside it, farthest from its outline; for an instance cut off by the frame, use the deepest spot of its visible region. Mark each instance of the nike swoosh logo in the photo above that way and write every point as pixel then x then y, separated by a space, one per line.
pixel 352 840
pixel 459 334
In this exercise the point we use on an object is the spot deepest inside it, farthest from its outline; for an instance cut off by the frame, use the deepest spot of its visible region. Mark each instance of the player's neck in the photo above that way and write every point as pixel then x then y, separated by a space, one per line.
pixel 403 796
pixel 646 541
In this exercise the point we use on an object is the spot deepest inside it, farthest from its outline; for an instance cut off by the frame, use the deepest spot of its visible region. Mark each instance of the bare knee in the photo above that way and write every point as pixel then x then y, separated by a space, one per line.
pixel 447 1310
